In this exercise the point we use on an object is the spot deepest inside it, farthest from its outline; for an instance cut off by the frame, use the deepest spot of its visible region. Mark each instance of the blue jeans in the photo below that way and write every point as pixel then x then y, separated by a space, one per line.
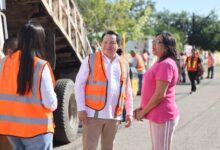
pixel 40 142
pixel 140 76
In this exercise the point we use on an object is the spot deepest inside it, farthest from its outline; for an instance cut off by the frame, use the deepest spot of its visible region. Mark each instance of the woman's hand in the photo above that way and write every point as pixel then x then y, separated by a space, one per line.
pixel 137 113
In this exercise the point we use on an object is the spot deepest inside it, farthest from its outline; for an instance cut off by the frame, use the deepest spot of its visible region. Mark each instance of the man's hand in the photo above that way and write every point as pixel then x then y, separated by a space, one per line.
pixel 82 115
pixel 128 120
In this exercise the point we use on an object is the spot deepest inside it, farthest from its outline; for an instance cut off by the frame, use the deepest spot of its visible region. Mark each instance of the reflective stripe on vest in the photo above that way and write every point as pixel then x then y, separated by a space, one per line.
pixel 95 98
pixel 23 99
pixel 122 95
pixel 36 77
pixel 27 117
pixel 26 120
pixel 2 63
pixel 89 82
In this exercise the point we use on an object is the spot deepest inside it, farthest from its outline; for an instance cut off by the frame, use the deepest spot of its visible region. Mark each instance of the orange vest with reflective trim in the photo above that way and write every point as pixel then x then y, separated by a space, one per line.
pixel 97 83
pixel 192 63
pixel 210 61
pixel 22 116
pixel 140 63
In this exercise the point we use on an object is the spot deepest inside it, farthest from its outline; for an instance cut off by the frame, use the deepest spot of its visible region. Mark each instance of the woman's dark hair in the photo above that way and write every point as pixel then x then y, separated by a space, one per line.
pixel 31 40
pixel 170 44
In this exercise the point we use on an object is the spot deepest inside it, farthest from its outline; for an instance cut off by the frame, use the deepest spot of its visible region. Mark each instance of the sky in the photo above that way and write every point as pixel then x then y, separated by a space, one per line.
pixel 200 7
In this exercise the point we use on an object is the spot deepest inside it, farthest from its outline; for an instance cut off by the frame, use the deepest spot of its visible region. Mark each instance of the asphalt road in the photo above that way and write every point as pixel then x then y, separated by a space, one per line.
pixel 198 128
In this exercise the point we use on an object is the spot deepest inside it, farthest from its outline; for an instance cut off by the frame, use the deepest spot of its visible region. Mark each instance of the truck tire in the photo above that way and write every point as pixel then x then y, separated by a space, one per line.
pixel 65 117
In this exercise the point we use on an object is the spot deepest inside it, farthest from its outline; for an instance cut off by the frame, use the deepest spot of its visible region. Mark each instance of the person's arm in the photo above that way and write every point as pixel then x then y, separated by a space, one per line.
pixel 199 63
pixel 186 61
pixel 213 60
pixel 80 84
pixel 160 92
pixel 49 98
pixel 128 102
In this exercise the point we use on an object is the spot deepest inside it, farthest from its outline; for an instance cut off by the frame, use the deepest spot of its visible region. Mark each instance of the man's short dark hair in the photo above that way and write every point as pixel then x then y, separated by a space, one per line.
pixel 112 33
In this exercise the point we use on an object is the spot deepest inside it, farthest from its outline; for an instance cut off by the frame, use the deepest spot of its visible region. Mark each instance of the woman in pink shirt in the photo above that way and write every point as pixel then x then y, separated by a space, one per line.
pixel 158 93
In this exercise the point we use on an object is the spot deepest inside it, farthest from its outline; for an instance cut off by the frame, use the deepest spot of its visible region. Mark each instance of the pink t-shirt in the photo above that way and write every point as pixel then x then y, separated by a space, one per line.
pixel 165 70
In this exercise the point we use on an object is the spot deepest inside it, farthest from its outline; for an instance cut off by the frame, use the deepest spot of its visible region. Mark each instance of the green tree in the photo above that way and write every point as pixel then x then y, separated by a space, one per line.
pixel 139 19
pixel 172 22
pixel 202 32
pixel 142 11
pixel 205 31
pixel 123 16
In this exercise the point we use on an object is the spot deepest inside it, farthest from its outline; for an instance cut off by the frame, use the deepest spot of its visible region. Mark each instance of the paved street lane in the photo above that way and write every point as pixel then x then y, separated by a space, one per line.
pixel 198 128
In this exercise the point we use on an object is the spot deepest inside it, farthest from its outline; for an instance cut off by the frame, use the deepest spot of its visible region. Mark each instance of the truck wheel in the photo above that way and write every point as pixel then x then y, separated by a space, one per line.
pixel 65 117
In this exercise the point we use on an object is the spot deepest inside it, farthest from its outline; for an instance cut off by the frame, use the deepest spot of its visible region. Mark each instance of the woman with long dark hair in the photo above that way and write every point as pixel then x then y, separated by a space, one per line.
pixel 158 93
pixel 27 97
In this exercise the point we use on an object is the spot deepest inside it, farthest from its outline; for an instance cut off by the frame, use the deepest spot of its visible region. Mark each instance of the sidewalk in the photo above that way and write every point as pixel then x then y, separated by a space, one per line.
pixel 198 128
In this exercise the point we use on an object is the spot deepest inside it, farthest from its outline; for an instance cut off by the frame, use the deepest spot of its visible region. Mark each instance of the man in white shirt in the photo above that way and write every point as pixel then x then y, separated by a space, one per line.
pixel 101 92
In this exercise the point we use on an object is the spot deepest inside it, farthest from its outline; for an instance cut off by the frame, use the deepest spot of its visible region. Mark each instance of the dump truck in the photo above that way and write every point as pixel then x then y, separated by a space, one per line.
pixel 66 46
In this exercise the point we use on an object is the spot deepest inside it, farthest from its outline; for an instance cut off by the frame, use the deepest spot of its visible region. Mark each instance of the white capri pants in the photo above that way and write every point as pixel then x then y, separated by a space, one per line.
pixel 162 134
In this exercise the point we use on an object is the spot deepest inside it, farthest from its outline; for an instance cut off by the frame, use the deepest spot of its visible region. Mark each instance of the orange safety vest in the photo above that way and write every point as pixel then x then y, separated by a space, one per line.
pixel 22 116
pixel 192 63
pixel 97 83
pixel 210 61
pixel 140 63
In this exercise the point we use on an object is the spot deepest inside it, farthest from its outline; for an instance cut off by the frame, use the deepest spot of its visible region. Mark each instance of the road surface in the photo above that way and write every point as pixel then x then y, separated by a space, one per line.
pixel 198 128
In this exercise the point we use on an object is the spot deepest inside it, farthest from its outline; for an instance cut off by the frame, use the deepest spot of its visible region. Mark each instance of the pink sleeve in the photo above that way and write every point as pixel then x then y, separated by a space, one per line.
pixel 129 99
pixel 164 72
